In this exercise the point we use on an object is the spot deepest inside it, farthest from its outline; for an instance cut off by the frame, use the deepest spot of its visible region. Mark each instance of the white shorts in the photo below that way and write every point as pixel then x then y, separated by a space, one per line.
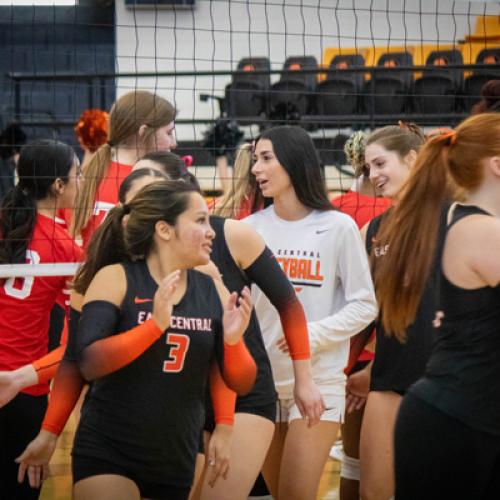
pixel 287 410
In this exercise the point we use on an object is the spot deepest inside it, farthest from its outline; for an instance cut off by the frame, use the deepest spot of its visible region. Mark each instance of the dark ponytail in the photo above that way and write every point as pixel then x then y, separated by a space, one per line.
pixel 105 248
pixel 40 164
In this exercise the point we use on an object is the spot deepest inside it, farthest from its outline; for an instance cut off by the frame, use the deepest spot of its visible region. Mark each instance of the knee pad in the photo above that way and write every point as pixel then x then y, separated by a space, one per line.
pixel 349 468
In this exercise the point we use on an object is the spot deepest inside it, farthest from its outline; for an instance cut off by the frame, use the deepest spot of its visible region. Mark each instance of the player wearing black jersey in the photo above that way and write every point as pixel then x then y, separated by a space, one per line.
pixel 448 427
pixel 242 258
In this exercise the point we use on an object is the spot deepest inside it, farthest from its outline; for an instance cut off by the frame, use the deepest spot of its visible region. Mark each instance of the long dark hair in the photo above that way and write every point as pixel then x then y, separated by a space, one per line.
pixel 40 163
pixel 296 153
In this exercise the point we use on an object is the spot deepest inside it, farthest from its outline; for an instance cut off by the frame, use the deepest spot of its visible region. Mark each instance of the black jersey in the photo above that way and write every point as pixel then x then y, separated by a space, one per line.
pixel 398 365
pixel 462 377
pixel 235 279
pixel 148 416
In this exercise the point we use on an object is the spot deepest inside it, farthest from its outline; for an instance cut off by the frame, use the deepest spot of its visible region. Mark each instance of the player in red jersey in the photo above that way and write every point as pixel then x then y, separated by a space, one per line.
pixel 139 122
pixel 48 179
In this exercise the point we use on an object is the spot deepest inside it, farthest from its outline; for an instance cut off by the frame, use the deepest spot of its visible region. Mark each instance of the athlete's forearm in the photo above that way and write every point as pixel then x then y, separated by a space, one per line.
pixel 46 367
pixel 223 398
pixel 66 390
pixel 240 369
pixel 267 274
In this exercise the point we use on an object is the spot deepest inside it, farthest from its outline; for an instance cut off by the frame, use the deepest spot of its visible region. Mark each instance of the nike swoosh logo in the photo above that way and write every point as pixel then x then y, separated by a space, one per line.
pixel 137 300
pixel 320 231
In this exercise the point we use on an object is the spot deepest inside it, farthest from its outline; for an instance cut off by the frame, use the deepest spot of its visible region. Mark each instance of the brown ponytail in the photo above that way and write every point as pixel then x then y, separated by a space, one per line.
pixel 128 114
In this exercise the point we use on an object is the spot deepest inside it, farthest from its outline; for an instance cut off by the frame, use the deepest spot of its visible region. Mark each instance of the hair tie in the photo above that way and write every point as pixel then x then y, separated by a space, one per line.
pixel 126 209
pixel 110 144
pixel 188 160
pixel 442 135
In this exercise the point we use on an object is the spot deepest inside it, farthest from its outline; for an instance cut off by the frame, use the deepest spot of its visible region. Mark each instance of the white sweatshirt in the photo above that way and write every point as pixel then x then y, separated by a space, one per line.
pixel 325 260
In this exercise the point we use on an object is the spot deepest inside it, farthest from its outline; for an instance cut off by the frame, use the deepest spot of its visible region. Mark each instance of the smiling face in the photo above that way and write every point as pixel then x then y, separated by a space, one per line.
pixel 191 237
pixel 388 171
pixel 270 175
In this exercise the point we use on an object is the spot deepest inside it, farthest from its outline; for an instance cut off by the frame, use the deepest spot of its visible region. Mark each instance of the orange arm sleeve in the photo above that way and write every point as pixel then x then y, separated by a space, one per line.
pixel 239 369
pixel 267 274
pixel 294 323
pixel 66 390
pixel 109 354
pixel 223 398
pixel 46 367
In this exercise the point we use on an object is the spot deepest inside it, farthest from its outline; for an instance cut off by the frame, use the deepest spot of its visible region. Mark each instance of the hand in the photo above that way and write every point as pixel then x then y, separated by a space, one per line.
pixel 36 457
pixel 11 382
pixel 218 453
pixel 353 403
pixel 309 400
pixel 357 388
pixel 283 345
pixel 211 270
pixel 236 317
pixel 163 303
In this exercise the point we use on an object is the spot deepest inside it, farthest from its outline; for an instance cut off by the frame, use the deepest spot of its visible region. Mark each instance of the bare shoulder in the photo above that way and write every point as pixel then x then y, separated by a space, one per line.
pixel 108 284
pixel 243 241
pixel 477 239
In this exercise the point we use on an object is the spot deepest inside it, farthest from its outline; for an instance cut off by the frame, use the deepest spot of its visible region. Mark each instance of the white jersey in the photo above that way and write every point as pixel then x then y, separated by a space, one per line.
pixel 325 260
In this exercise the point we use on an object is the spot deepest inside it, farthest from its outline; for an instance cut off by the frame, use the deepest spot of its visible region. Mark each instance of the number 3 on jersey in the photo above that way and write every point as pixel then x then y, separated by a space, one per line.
pixel 179 346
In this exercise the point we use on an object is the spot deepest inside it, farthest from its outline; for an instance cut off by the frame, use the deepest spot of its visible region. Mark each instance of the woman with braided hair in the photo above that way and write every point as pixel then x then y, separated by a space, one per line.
pixel 447 441
pixel 362 204
pixel 390 153
pixel 361 201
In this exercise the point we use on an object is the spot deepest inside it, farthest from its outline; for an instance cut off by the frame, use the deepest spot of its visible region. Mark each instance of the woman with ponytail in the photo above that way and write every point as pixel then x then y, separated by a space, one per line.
pixel 448 427
pixel 139 122
pixel 390 154
pixel 48 180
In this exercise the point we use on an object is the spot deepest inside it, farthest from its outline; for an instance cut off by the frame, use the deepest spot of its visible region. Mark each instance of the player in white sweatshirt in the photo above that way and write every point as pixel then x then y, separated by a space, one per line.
pixel 321 252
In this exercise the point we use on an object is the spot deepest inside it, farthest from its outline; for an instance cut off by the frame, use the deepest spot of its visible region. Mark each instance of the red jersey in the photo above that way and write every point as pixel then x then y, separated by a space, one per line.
pixel 26 302
pixel 106 197
pixel 360 207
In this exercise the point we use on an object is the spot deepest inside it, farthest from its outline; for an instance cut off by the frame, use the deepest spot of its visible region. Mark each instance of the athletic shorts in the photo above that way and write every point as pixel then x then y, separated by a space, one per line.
pixel 287 410
pixel 85 467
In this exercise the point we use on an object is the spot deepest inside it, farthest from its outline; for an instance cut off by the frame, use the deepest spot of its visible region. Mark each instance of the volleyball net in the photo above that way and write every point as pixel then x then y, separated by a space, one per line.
pixel 235 67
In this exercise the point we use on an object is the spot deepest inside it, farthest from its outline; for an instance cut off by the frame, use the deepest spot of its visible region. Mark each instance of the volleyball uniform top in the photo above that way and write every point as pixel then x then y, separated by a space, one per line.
pixel 360 207
pixel 235 280
pixel 462 377
pixel 26 302
pixel 323 256
pixel 106 197
pixel 397 365
pixel 147 417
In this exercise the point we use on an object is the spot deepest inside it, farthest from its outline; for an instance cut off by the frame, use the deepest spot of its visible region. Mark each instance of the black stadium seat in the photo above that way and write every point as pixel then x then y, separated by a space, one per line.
pixel 246 95
pixel 292 96
pixel 436 91
pixel 387 91
pixel 491 71
pixel 339 93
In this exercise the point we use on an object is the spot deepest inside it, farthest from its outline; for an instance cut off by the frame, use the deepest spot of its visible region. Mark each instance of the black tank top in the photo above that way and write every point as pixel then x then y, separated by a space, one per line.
pixel 462 377
pixel 398 365
pixel 151 412
pixel 235 279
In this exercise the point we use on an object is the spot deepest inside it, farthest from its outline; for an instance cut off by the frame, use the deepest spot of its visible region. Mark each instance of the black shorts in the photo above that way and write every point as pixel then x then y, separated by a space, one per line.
pixel 85 467
pixel 266 410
